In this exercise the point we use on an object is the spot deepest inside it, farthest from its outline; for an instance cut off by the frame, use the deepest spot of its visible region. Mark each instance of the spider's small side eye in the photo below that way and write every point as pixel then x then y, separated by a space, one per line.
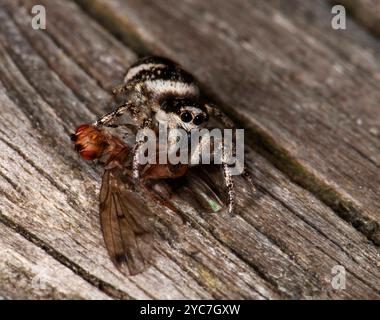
pixel 198 119
pixel 186 116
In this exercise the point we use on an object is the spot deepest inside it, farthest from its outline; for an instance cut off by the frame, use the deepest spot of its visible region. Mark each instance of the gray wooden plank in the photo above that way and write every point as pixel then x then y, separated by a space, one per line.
pixel 28 272
pixel 284 243
pixel 307 93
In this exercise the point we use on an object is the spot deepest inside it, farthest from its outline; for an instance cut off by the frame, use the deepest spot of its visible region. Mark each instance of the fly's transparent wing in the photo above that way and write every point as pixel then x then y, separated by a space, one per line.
pixel 126 223
pixel 202 188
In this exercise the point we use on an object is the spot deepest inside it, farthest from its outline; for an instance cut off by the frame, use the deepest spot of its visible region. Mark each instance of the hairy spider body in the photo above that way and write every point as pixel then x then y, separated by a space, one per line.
pixel 159 90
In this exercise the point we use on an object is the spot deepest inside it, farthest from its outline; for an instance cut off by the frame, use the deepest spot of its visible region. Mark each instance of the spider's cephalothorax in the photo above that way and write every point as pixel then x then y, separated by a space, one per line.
pixel 156 92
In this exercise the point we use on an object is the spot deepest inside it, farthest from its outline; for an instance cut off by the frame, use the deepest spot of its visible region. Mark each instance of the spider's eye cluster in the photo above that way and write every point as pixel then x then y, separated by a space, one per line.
pixel 187 109
pixel 188 117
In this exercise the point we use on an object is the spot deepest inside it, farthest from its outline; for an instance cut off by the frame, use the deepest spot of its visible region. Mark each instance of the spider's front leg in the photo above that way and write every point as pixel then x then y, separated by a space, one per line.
pixel 220 115
pixel 228 123
pixel 219 155
pixel 228 181
pixel 109 118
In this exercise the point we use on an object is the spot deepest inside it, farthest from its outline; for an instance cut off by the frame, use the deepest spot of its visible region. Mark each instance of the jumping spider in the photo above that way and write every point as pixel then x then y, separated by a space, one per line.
pixel 155 92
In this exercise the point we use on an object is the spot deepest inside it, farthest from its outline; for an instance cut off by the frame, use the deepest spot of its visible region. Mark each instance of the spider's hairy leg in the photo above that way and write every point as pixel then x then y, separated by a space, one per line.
pixel 220 115
pixel 221 155
pixel 230 187
pixel 119 111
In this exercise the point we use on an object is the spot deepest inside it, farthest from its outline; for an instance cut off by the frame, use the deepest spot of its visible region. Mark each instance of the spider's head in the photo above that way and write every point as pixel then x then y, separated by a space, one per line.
pixel 185 113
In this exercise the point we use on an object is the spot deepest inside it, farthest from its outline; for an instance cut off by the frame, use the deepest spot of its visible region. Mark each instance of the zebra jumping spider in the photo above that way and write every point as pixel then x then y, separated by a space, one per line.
pixel 155 92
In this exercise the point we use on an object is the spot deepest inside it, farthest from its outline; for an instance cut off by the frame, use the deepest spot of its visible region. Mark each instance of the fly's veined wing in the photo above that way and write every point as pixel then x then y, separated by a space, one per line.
pixel 203 188
pixel 126 223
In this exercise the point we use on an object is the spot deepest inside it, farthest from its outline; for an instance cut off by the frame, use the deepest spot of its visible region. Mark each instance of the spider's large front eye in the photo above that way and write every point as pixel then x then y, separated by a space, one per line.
pixel 186 116
pixel 198 119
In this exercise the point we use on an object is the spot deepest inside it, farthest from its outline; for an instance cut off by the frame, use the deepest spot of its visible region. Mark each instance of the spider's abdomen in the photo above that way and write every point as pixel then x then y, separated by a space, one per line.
pixel 157 77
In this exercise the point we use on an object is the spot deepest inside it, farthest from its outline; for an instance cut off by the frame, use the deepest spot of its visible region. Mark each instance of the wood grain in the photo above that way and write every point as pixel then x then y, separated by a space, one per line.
pixel 307 93
pixel 283 244
pixel 29 272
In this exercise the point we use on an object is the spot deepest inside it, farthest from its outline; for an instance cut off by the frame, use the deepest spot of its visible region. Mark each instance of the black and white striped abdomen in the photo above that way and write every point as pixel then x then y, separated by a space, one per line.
pixel 160 76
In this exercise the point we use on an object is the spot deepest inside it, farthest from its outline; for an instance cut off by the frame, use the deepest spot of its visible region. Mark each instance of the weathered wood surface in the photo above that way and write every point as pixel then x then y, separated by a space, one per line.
pixel 283 243
pixel 27 272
